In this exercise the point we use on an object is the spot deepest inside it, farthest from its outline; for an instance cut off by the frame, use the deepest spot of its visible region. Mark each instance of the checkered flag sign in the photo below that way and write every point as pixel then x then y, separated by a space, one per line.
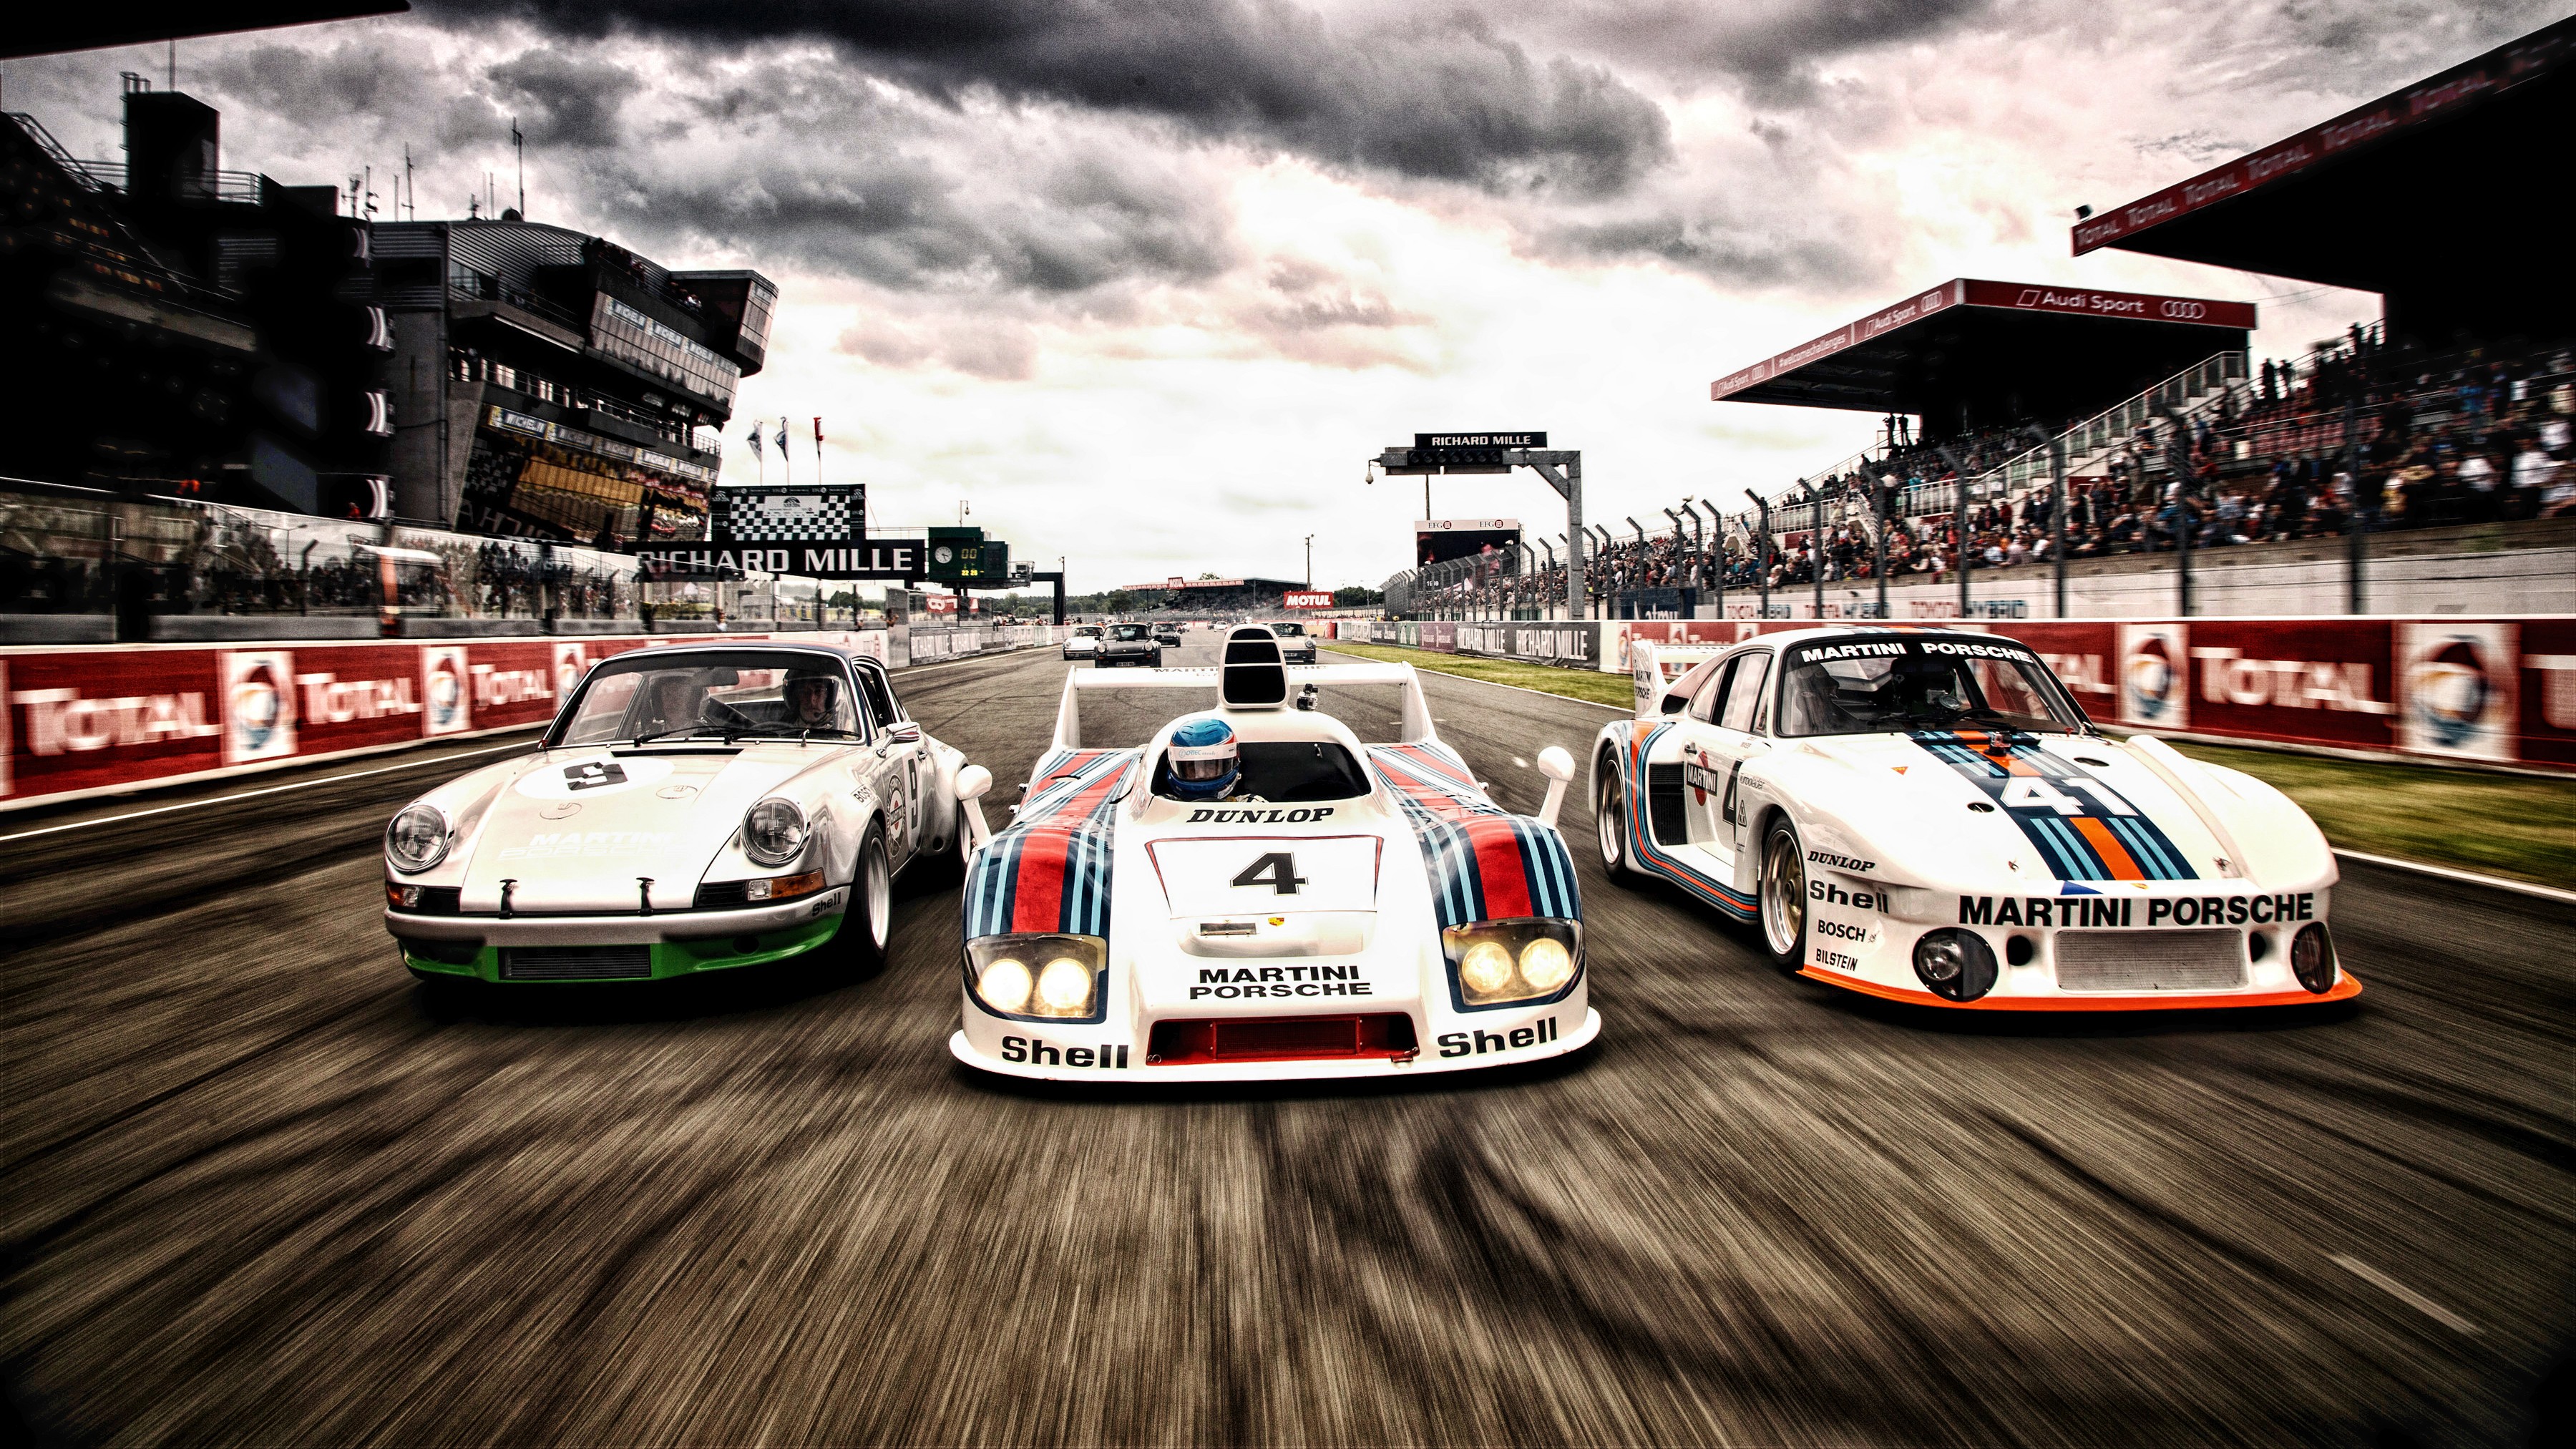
pixel 787 515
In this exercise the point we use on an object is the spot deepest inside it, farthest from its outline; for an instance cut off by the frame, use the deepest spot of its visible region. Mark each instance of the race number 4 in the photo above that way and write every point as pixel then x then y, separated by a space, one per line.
pixel 2025 792
pixel 1277 870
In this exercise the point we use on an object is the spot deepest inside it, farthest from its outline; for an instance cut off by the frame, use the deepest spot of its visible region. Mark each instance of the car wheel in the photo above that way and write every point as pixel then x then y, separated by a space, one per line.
pixel 1610 820
pixel 858 948
pixel 1784 896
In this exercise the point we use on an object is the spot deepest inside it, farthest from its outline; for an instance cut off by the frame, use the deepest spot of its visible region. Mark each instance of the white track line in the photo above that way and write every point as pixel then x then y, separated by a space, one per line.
pixel 2405 1295
pixel 249 794
pixel 2493 882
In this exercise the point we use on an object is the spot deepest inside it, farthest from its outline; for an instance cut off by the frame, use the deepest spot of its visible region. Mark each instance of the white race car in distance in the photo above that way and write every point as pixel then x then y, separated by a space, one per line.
pixel 1926 815
pixel 693 808
pixel 1348 910
pixel 1083 642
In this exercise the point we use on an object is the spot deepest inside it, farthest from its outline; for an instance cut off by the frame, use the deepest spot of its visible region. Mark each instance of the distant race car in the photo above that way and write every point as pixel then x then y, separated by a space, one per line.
pixel 1083 642
pixel 1168 635
pixel 1346 910
pixel 691 809
pixel 1926 815
pixel 1295 643
pixel 1128 644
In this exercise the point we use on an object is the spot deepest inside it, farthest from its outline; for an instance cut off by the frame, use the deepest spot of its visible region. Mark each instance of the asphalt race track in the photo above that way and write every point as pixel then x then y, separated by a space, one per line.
pixel 258 1190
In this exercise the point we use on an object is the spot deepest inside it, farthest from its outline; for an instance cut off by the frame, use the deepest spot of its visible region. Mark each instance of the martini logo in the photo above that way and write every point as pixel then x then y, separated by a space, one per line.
pixel 444 690
pixel 2153 665
pixel 259 706
pixel 2457 701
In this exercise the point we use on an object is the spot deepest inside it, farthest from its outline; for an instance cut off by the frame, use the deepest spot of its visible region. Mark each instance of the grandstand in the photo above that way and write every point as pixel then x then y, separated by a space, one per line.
pixel 2441 430
pixel 1211 598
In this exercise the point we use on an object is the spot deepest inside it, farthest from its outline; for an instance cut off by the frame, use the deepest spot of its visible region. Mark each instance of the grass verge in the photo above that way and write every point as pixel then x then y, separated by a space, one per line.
pixel 2516 826
pixel 1586 684
pixel 2508 825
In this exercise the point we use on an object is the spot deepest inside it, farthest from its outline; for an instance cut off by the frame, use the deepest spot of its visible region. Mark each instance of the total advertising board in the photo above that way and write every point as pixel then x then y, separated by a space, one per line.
pixel 2494 690
pixel 81 721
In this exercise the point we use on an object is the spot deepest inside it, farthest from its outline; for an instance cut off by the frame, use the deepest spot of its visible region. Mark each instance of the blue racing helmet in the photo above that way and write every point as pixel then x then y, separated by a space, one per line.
pixel 1203 759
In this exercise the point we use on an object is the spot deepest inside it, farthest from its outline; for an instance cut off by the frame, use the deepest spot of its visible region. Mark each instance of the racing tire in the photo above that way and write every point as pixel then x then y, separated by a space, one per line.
pixel 1781 912
pixel 948 867
pixel 858 948
pixel 1610 822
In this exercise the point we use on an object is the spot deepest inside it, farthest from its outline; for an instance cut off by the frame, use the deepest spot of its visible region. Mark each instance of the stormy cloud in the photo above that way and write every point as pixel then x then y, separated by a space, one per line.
pixel 1438 97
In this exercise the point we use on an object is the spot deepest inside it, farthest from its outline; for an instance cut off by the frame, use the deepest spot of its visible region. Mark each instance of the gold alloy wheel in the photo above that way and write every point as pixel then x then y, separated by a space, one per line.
pixel 1784 894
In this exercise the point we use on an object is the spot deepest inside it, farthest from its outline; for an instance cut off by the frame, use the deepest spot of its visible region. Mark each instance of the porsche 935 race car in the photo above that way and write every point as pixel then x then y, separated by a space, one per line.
pixel 1926 815
pixel 1344 910
pixel 691 809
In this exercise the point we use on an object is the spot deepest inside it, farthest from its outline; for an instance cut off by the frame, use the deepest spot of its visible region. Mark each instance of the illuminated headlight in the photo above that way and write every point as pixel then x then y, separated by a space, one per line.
pixel 1958 965
pixel 2312 958
pixel 773 832
pixel 1039 977
pixel 1496 963
pixel 417 839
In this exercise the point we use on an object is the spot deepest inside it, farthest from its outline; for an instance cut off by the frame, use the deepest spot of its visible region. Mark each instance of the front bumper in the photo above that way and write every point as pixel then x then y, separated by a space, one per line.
pixel 1437 1056
pixel 2345 988
pixel 681 943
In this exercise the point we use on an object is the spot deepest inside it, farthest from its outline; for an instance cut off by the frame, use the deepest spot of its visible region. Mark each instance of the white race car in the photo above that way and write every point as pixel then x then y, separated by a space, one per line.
pixel 1083 642
pixel 1925 815
pixel 692 809
pixel 1348 910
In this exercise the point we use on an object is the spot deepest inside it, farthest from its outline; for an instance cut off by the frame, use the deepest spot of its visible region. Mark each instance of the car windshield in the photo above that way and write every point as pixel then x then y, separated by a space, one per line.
pixel 1128 631
pixel 1288 772
pixel 714 693
pixel 1087 631
pixel 1871 686
pixel 1288 631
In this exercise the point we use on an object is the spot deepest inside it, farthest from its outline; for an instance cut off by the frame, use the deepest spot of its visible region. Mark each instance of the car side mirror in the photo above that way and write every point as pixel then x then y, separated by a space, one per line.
pixel 904 732
pixel 1558 767
pixel 1675 703
pixel 973 783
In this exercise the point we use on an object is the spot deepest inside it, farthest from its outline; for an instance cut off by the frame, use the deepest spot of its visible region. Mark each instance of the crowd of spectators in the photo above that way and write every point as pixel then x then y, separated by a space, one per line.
pixel 2475 437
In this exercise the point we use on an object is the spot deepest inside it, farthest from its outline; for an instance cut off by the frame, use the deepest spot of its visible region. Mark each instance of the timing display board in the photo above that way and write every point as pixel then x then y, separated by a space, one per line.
pixel 1438 540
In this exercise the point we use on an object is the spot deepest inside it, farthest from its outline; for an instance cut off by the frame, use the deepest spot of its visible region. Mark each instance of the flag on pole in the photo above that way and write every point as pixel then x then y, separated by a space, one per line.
pixel 818 432
pixel 755 440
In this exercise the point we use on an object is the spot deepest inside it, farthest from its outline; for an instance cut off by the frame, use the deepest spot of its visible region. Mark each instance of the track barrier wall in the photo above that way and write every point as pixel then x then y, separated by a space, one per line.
pixel 2498 690
pixel 89 720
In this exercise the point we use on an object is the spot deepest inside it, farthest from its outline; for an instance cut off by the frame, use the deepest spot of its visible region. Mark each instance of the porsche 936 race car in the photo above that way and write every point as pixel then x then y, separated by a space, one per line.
pixel 691 809
pixel 1342 909
pixel 1926 815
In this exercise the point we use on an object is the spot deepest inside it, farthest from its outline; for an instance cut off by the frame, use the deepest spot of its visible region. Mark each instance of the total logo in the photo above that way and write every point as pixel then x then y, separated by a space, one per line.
pixel 259 709
pixel 2449 691
pixel 2153 688
pixel 444 690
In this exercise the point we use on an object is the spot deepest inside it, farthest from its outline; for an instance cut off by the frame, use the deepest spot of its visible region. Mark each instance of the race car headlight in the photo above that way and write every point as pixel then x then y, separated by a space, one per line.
pixel 773 832
pixel 2312 958
pixel 1958 965
pixel 417 839
pixel 1039 977
pixel 1499 963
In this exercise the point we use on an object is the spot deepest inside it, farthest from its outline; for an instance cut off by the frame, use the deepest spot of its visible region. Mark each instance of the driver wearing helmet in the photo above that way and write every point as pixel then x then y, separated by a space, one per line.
pixel 813 700
pixel 1204 764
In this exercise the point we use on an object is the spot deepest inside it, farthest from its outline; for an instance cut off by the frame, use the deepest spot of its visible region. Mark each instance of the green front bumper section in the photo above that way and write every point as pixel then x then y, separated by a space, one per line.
pixel 670 958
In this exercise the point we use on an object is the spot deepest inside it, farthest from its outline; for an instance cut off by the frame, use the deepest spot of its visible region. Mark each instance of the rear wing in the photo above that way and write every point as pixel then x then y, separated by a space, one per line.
pixel 1656 666
pixel 1416 723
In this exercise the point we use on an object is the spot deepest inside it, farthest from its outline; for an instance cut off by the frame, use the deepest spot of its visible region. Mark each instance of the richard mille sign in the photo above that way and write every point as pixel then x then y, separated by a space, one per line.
pixel 1480 440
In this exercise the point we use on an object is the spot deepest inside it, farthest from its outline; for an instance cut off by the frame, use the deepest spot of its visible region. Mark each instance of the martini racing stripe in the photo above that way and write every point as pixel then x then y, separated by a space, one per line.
pixel 1485 864
pixel 2081 829
pixel 1641 836
pixel 1050 870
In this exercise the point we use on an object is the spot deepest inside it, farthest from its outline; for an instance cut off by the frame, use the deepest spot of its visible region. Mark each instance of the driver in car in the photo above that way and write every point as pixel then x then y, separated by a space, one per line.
pixel 813 701
pixel 1203 761
pixel 674 704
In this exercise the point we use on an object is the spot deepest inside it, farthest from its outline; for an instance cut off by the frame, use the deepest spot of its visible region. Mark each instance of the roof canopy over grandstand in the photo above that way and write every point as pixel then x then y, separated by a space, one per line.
pixel 1214 595
pixel 2431 196
pixel 1970 354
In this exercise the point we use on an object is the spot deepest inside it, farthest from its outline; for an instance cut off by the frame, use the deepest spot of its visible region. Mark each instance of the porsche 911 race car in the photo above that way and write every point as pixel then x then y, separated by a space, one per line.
pixel 1128 644
pixel 691 809
pixel 1343 910
pixel 1926 815
pixel 1295 644
pixel 1083 642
